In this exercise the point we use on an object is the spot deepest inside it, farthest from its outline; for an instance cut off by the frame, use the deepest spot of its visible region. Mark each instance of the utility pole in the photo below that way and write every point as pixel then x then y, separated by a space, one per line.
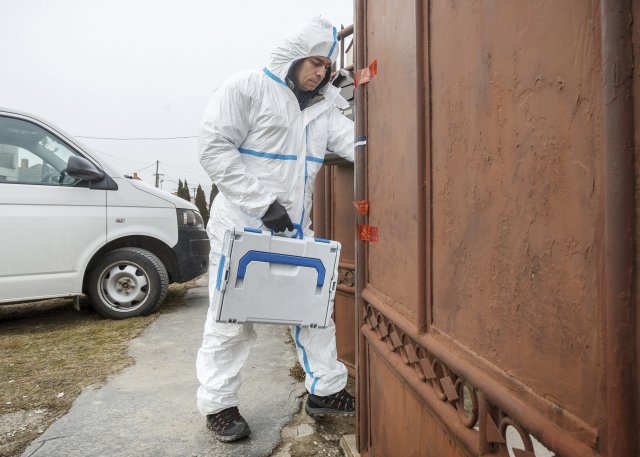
pixel 157 175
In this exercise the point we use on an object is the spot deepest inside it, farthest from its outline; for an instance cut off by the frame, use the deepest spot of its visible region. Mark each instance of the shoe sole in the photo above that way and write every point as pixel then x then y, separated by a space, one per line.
pixel 229 438
pixel 320 412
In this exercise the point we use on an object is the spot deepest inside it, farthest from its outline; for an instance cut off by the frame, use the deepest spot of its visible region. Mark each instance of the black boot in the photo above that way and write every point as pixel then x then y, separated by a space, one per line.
pixel 228 425
pixel 338 404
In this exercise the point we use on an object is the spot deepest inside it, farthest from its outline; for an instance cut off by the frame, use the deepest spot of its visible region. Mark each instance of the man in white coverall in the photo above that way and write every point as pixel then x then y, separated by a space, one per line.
pixel 262 142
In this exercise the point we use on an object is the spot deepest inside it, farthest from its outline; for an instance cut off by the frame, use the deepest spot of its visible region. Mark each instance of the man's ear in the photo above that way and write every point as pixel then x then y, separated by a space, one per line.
pixel 291 74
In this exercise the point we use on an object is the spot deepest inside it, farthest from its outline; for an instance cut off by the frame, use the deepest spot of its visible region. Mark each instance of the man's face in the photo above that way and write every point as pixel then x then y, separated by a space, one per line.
pixel 311 71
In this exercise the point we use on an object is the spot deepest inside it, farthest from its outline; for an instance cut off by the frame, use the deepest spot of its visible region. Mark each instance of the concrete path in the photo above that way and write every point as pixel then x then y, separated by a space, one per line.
pixel 149 408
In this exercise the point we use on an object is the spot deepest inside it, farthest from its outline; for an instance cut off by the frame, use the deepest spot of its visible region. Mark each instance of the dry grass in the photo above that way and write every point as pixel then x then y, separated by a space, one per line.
pixel 297 372
pixel 49 352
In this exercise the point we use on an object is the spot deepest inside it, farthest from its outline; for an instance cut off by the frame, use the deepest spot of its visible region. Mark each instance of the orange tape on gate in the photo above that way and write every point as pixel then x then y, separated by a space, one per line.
pixel 366 74
pixel 368 232
pixel 362 206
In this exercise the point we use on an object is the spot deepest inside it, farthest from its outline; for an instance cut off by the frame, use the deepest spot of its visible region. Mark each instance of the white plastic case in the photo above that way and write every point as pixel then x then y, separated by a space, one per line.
pixel 268 279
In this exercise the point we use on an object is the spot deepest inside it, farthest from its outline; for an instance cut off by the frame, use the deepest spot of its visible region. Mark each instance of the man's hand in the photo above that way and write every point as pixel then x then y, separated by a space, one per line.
pixel 276 218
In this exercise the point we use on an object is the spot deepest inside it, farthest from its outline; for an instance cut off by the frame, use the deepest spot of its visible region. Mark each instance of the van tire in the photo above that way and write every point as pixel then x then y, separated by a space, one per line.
pixel 127 282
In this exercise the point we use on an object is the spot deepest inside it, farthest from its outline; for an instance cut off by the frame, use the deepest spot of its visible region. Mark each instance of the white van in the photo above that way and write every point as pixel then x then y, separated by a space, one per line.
pixel 71 224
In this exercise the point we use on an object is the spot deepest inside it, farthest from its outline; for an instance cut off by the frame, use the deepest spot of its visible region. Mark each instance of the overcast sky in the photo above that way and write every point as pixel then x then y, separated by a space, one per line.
pixel 139 68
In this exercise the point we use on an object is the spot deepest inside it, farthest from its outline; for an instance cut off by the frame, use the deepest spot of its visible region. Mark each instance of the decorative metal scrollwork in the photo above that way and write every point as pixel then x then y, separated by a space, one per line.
pixel 528 450
pixel 467 411
pixel 346 277
pixel 417 366
pixel 383 330
pixel 393 341
pixel 497 435
pixel 407 350
pixel 441 371
pixel 447 385
pixel 370 318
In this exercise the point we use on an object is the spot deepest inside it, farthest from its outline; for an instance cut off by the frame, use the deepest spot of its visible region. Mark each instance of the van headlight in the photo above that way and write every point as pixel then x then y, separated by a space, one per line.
pixel 188 218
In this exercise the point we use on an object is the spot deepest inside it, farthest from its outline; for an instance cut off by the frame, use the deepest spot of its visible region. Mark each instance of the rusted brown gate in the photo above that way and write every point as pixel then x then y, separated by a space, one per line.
pixel 333 218
pixel 500 297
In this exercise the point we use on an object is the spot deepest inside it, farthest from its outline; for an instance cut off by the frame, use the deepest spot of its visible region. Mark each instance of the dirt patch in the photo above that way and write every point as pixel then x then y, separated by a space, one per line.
pixel 50 352
pixel 306 436
pixel 297 372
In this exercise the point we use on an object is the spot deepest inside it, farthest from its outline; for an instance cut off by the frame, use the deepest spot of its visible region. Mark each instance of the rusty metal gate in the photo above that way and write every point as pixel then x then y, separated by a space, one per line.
pixel 497 310
pixel 333 218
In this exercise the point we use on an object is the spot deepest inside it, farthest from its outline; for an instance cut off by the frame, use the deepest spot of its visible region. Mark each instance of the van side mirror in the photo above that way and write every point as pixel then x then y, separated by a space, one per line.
pixel 81 168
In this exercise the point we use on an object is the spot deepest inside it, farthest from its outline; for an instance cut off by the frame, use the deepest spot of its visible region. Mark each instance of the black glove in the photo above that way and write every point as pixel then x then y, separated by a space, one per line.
pixel 276 218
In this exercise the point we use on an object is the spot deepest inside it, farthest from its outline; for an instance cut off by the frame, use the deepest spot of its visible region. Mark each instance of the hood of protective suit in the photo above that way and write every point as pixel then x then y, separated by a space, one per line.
pixel 318 37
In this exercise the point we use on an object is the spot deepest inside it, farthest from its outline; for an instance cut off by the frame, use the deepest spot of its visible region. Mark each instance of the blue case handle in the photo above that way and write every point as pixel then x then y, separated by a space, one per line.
pixel 269 257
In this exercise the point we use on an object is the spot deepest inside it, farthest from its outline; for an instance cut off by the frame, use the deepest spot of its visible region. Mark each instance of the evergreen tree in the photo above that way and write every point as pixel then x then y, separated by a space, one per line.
pixel 212 195
pixel 187 194
pixel 201 203
pixel 183 190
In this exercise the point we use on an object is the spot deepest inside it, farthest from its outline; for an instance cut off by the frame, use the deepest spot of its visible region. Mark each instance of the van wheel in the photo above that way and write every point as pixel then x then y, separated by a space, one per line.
pixel 127 282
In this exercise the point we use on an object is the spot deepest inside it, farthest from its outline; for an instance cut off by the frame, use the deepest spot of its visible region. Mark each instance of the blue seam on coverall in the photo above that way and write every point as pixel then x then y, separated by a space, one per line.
pixel 304 187
pixel 308 158
pixel 307 369
pixel 274 77
pixel 305 359
pixel 335 32
pixel 267 155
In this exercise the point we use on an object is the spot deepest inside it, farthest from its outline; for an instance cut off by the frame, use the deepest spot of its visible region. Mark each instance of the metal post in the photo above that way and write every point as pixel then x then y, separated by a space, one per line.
pixel 361 254
pixel 618 262
pixel 423 174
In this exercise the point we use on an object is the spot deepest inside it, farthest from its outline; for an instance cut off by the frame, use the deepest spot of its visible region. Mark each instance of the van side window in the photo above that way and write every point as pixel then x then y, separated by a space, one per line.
pixel 31 155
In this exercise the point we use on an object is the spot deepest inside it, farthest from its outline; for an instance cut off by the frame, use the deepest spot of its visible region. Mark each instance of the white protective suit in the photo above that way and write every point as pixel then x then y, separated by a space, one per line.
pixel 258 146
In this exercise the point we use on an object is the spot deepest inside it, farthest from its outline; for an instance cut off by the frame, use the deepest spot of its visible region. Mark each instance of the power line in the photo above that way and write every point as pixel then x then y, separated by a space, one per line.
pixel 170 177
pixel 121 159
pixel 144 168
pixel 199 170
pixel 149 138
